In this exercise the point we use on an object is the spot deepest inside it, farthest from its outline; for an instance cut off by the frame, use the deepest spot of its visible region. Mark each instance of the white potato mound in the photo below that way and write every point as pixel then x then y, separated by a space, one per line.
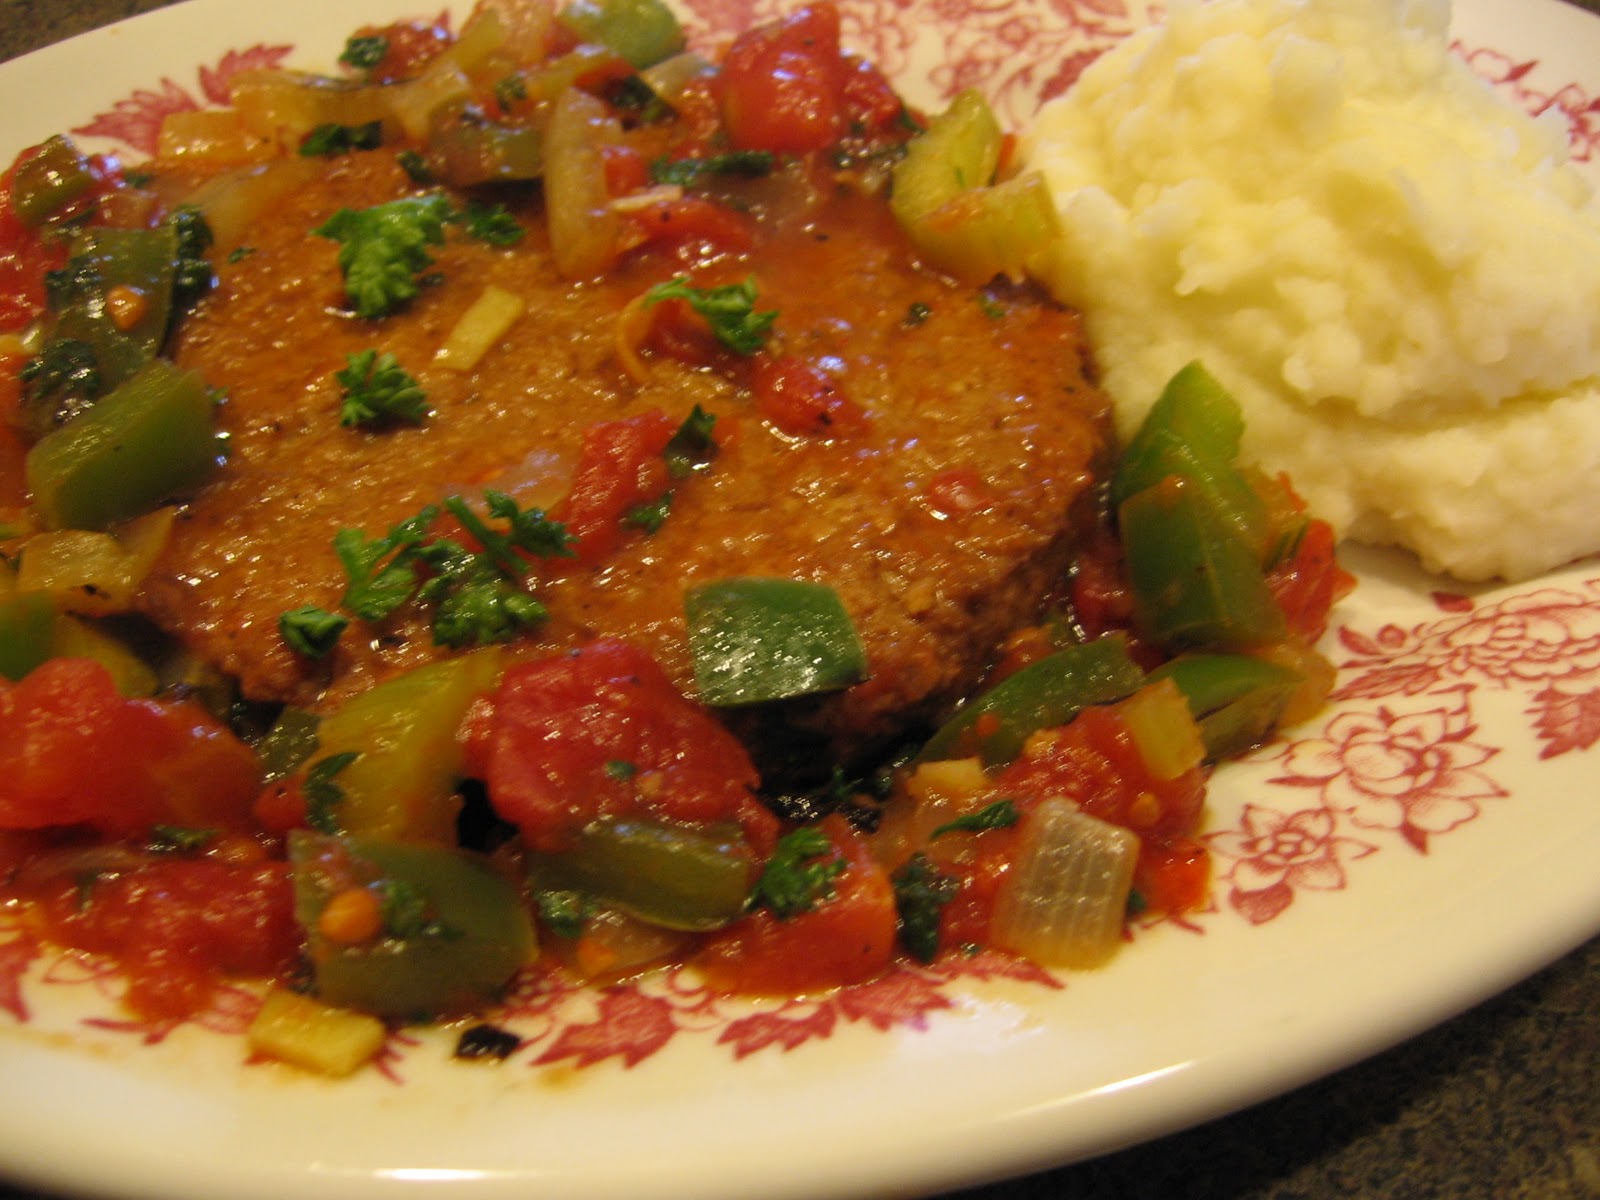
pixel 1397 273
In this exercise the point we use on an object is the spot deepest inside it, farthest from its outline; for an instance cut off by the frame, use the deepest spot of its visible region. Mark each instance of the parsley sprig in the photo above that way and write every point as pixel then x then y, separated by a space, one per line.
pixel 383 249
pixel 799 874
pixel 686 172
pixel 477 595
pixel 730 310
pixel 377 389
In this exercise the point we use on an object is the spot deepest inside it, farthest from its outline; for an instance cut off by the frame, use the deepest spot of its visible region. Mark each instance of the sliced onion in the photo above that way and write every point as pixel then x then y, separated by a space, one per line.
pixel 1065 899
pixel 95 574
pixel 480 328
pixel 583 230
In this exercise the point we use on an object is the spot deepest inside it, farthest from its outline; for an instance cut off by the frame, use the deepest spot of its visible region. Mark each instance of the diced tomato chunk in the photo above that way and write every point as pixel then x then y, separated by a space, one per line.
pixel 801 399
pixel 1309 583
pixel 693 227
pixel 849 937
pixel 782 84
pixel 179 926
pixel 619 467
pixel 75 752
pixel 602 732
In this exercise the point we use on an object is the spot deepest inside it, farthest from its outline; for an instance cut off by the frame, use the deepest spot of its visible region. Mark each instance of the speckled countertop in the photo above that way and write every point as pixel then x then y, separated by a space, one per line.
pixel 1501 1103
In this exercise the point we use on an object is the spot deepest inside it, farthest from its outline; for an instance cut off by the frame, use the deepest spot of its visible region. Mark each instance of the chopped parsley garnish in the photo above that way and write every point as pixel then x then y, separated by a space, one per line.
pixel 477 596
pixel 178 839
pixel 311 631
pixel 192 275
pixel 382 571
pixel 686 172
pixel 59 382
pixel 921 892
pixel 692 447
pixel 406 911
pixel 620 769
pixel 509 91
pixel 323 795
pixel 730 310
pixel 240 253
pixel 384 249
pixel 649 517
pixel 799 874
pixel 489 223
pixel 331 138
pixel 1000 815
pixel 376 389
pixel 364 51
pixel 564 911
pixel 415 166
pixel 917 313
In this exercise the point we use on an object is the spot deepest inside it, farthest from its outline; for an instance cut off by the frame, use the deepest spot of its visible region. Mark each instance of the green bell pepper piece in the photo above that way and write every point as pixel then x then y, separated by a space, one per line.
pixel 401 781
pixel 1236 699
pixel 1195 583
pixel 454 933
pixel 27 632
pixel 1194 431
pixel 675 876
pixel 1044 694
pixel 755 640
pixel 49 181
pixel 644 32
pixel 144 260
pixel 958 151
pixel 147 441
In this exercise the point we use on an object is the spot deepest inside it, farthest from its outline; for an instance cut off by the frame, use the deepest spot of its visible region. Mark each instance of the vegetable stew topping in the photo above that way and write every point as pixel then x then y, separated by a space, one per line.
pixel 545 494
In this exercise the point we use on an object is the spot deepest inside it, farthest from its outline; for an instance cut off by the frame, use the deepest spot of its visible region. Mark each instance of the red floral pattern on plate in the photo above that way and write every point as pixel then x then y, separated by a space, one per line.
pixel 1398 761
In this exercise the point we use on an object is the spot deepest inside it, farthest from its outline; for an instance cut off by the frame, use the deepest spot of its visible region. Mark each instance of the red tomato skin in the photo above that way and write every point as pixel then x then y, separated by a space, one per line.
pixel 179 927
pixel 25 257
pixel 693 228
pixel 619 467
pixel 1311 582
pixel 802 400
pixel 75 752
pixel 561 724
pixel 782 84
pixel 846 939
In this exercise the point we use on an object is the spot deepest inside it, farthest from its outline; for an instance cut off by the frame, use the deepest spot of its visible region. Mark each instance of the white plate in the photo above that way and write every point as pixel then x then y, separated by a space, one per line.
pixel 1430 840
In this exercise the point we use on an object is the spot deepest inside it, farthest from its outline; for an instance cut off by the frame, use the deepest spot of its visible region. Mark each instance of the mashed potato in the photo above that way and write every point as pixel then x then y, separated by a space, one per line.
pixel 1396 272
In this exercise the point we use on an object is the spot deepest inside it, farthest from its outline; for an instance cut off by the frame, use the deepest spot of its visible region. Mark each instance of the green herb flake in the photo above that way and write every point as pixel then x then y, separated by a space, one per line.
pixel 327 140
pixel 565 912
pixel 383 250
pixel 491 224
pixel 382 572
pixel 178 839
pixel 415 167
pixel 799 874
pixel 1002 814
pixel 510 91
pixel 377 389
pixel 323 795
pixel 920 894
pixel 686 172
pixel 649 517
pixel 692 447
pixel 364 51
pixel 729 310
pixel 620 769
pixel 239 253
pixel 311 631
